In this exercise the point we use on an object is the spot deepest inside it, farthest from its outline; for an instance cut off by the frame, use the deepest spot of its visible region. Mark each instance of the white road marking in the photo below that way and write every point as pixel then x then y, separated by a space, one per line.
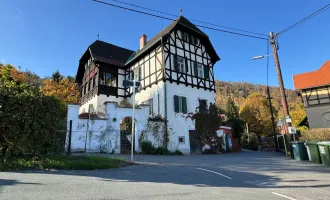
pixel 214 172
pixel 281 195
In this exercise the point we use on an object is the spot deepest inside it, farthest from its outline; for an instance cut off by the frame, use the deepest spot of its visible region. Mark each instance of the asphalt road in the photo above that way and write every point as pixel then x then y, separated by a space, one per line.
pixel 245 175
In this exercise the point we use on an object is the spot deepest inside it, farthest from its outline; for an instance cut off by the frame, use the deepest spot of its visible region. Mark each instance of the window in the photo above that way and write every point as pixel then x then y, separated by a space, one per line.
pixel 89 62
pixel 193 40
pixel 132 75
pixel 138 72
pixel 198 70
pixel 108 79
pixel 89 85
pixel 181 140
pixel 94 81
pixel 151 106
pixel 185 36
pixel 180 104
pixel 179 64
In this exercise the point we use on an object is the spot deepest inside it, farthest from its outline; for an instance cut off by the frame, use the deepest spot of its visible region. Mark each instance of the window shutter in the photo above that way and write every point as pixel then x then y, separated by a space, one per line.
pixel 195 69
pixel 176 104
pixel 184 104
pixel 132 75
pixel 206 72
pixel 186 64
pixel 176 67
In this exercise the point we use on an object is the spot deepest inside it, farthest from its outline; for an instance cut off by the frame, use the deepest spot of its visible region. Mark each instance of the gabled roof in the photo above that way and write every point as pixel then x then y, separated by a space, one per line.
pixel 109 53
pixel 181 21
pixel 312 79
pixel 106 53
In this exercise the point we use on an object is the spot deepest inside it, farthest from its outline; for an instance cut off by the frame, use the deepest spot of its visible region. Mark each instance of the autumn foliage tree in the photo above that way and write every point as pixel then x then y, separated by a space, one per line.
pixel 255 111
pixel 65 89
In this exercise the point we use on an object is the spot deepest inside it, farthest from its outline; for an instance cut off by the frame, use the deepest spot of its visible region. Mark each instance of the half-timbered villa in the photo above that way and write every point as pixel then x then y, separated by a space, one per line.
pixel 176 71
pixel 314 88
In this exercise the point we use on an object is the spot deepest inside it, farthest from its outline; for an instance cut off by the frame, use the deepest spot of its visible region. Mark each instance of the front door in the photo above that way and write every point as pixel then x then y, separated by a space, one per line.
pixel 195 144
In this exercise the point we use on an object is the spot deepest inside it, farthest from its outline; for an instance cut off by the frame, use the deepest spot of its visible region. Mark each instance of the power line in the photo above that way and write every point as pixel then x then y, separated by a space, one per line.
pixel 162 17
pixel 172 15
pixel 304 19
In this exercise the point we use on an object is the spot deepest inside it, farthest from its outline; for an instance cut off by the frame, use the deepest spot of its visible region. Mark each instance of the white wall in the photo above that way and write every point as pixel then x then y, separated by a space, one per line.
pixel 177 121
pixel 103 134
pixel 153 92
pixel 84 108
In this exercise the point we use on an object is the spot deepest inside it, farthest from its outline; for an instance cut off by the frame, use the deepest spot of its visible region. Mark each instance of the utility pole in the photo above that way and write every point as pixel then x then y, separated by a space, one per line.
pixel 280 82
pixel 272 118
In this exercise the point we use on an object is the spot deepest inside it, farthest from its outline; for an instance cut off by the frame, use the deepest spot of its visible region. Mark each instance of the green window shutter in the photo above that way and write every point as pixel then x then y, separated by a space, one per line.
pixel 132 75
pixel 195 69
pixel 186 64
pixel 206 72
pixel 184 104
pixel 175 61
pixel 176 104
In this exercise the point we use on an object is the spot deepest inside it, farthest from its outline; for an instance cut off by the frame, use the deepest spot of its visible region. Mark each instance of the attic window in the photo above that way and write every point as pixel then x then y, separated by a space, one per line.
pixel 185 36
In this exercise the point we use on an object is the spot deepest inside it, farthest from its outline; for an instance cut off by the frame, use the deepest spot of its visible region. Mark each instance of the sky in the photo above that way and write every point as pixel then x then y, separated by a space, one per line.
pixel 45 36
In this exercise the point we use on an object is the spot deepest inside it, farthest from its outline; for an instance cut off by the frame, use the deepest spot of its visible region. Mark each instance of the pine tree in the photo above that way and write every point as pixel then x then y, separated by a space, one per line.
pixel 231 108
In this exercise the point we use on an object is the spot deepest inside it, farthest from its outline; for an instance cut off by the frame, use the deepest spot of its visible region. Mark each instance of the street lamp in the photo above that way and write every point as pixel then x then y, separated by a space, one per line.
pixel 260 57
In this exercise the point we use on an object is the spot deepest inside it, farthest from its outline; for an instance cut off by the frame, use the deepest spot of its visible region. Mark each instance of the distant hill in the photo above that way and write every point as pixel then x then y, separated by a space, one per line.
pixel 240 90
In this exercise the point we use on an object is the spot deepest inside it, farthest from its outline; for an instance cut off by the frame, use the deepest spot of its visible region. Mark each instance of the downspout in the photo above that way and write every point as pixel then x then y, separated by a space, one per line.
pixel 165 93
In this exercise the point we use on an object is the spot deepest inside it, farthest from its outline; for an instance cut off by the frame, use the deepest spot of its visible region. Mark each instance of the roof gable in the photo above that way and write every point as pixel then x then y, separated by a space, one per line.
pixel 179 21
pixel 312 79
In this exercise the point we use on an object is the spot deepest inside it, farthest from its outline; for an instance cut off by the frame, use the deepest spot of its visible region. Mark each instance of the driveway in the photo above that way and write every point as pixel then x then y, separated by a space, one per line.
pixel 245 175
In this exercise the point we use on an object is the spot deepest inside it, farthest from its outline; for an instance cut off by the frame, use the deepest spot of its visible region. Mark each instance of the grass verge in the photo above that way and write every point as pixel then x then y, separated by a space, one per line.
pixel 61 162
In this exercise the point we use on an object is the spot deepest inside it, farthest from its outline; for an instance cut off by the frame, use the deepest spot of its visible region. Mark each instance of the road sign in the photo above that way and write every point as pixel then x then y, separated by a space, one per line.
pixel 292 130
pixel 127 83
pixel 288 119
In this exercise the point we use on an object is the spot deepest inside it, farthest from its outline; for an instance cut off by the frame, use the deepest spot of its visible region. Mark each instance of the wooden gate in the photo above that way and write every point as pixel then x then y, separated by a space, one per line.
pixel 195 144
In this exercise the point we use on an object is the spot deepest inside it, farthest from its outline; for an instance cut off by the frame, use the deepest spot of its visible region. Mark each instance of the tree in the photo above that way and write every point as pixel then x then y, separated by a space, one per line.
pixel 255 111
pixel 297 114
pixel 231 108
pixel 57 77
pixel 207 122
pixel 65 90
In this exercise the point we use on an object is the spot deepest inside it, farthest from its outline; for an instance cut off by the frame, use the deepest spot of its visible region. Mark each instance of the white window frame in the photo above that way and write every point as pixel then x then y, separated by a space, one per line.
pixel 181 64
pixel 200 70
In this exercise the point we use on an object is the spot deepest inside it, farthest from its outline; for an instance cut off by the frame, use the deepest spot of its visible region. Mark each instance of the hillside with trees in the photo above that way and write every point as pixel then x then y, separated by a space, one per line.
pixel 239 92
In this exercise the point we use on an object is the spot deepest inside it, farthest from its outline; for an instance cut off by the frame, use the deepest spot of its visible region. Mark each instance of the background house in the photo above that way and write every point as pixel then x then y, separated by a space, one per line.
pixel 314 87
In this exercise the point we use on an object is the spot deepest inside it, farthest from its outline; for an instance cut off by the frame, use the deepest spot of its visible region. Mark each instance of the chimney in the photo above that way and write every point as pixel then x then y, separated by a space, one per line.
pixel 143 40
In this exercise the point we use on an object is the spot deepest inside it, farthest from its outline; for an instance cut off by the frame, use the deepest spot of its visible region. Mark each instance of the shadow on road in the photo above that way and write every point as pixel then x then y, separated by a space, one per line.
pixel 247 170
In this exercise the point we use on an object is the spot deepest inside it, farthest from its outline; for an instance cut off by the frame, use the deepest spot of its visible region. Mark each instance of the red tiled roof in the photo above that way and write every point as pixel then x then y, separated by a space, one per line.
pixel 312 79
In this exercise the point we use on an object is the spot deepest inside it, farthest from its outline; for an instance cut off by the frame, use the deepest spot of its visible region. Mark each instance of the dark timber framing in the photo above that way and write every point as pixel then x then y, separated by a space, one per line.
pixel 311 98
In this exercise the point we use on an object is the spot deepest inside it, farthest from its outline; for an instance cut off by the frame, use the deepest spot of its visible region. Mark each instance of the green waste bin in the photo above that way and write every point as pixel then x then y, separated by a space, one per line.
pixel 313 152
pixel 299 150
pixel 324 148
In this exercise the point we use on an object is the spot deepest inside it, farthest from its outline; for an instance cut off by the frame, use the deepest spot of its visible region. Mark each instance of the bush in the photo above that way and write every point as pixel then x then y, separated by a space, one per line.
pixel 147 147
pixel 30 121
pixel 177 152
pixel 250 141
pixel 315 134
pixel 161 151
